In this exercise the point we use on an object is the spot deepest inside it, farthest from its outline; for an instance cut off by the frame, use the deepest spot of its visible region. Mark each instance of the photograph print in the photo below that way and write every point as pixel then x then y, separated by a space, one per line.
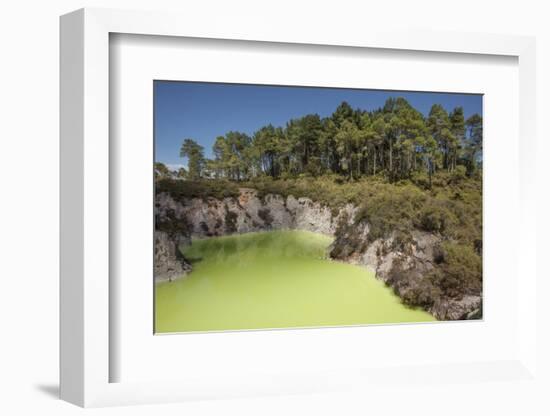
pixel 297 207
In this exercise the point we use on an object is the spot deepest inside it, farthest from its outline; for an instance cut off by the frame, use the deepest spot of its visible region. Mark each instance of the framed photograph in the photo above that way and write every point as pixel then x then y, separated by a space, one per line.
pixel 367 210
pixel 282 213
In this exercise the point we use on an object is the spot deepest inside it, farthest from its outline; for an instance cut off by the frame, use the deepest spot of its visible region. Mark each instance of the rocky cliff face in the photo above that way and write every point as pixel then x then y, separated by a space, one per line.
pixel 248 213
pixel 406 264
pixel 169 263
pixel 177 221
pixel 402 262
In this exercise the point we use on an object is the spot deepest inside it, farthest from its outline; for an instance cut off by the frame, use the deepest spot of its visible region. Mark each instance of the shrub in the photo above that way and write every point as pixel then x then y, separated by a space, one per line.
pixel 460 271
pixel 421 179
pixel 423 295
pixel 435 217
pixel 458 175
pixel 204 188
pixel 390 208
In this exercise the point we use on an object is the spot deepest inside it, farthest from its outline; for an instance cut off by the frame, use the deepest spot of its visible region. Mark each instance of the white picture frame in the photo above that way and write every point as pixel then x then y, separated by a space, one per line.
pixel 85 211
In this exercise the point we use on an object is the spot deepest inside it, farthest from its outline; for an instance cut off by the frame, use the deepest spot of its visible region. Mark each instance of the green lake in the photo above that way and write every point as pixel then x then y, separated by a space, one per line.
pixel 275 279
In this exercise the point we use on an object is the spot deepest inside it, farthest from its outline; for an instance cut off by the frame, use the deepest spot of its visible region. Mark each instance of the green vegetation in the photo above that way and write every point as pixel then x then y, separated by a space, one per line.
pixel 459 272
pixel 452 207
pixel 161 171
pixel 197 189
pixel 195 155
pixel 452 210
pixel 395 141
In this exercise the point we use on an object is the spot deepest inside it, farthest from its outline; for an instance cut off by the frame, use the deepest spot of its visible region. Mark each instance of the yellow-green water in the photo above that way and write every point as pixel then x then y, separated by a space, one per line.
pixel 275 279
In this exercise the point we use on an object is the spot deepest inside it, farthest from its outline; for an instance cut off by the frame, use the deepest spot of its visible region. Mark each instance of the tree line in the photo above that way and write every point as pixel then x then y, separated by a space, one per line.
pixel 395 141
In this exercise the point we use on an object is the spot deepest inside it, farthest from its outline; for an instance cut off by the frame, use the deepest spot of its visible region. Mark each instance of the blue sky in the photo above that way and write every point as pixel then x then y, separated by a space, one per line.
pixel 204 111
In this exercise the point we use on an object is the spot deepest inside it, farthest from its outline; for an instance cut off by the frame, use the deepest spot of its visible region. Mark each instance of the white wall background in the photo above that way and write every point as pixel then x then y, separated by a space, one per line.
pixel 29 205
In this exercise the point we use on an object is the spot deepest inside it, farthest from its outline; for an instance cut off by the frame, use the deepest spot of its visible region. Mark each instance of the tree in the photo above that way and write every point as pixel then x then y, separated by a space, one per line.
pixel 220 164
pixel 394 140
pixel 233 157
pixel 474 143
pixel 304 134
pixel 342 113
pixel 211 169
pixel 439 127
pixel 458 130
pixel 375 139
pixel 266 149
pixel 432 152
pixel 404 131
pixel 349 140
pixel 182 173
pixel 238 158
pixel 194 153
pixel 327 146
pixel 161 171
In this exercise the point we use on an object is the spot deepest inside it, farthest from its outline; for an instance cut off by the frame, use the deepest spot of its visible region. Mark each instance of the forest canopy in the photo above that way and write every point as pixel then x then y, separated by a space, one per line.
pixel 395 142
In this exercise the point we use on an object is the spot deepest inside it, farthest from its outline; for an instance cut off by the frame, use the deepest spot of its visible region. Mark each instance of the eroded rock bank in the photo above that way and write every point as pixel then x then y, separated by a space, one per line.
pixel 407 263
pixel 198 217
pixel 169 262
pixel 180 219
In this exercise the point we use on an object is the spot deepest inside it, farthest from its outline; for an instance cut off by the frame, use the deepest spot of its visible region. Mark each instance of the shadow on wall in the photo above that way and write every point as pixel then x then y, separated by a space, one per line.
pixel 51 390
